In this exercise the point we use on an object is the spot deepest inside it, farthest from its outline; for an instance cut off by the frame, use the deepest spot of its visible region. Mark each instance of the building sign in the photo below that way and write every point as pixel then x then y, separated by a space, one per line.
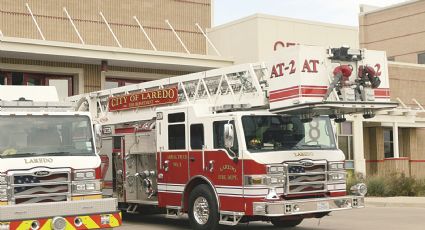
pixel 278 44
pixel 143 99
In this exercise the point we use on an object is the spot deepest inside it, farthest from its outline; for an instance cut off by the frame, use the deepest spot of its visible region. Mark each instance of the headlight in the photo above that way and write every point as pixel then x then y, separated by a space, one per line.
pixel 336 176
pixel 275 169
pixel 334 166
pixel 84 175
pixel 4 226
pixel 253 180
pixel 256 180
pixel 3 193
pixel 3 178
pixel 359 189
pixel 85 187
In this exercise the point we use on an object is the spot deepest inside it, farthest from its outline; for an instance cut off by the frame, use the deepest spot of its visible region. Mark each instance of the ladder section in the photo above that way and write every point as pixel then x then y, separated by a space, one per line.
pixel 235 85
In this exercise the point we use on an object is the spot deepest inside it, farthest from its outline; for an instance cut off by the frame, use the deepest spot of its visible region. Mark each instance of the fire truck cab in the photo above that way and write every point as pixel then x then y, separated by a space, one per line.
pixel 49 166
pixel 251 142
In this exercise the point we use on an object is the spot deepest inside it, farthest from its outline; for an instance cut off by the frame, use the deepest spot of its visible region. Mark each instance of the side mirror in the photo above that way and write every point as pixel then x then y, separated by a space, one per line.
pixel 229 135
pixel 98 135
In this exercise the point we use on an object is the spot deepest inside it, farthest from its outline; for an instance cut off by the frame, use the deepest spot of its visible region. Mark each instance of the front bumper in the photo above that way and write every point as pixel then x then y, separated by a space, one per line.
pixel 307 206
pixel 100 213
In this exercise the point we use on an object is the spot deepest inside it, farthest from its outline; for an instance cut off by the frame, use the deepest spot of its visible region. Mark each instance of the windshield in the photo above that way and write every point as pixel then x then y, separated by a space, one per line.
pixel 274 133
pixel 24 136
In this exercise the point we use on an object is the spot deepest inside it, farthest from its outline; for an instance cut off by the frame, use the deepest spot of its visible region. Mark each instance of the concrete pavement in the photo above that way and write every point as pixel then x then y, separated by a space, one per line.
pixel 400 201
pixel 369 218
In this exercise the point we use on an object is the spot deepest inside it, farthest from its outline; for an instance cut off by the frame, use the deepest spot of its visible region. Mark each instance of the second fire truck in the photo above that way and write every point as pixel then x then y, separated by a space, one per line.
pixel 243 143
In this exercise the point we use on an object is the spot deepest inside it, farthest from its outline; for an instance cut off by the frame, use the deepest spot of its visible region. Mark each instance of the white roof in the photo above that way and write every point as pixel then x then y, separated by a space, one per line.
pixel 34 93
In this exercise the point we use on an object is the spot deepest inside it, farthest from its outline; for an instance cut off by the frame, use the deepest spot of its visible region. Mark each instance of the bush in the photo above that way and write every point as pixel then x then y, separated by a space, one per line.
pixel 376 186
pixel 394 184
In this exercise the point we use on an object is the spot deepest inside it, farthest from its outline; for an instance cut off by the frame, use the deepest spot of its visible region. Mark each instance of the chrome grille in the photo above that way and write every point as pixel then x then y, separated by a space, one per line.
pixel 29 187
pixel 302 178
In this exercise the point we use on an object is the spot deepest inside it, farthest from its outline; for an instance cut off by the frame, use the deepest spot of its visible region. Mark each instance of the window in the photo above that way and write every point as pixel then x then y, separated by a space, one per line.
pixel 63 83
pixel 421 58
pixel 197 136
pixel 176 131
pixel 176 136
pixel 30 136
pixel 276 133
pixel 175 117
pixel 345 142
pixel 218 133
pixel 118 82
pixel 3 79
pixel 388 143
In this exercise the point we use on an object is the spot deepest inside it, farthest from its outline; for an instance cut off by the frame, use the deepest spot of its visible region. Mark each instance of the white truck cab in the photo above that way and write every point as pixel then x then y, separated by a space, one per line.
pixel 49 166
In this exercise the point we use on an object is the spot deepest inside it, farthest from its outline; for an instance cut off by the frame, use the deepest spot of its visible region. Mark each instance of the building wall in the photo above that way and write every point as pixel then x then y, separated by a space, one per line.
pixel 238 40
pixel 399 30
pixel 256 37
pixel 407 82
pixel 91 74
pixel 15 21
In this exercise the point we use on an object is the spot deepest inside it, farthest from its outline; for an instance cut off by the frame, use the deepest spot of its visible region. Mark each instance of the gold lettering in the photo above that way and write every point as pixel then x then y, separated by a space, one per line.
pixel 134 97
pixel 160 94
pixel 171 93
pixel 165 93
pixel 114 102
pixel 153 95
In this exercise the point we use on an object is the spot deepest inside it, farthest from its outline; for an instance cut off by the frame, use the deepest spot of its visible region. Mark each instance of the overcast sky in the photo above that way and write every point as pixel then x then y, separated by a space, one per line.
pixel 344 12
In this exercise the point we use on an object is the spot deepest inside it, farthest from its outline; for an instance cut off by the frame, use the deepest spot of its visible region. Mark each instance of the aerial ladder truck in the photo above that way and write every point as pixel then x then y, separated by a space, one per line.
pixel 250 142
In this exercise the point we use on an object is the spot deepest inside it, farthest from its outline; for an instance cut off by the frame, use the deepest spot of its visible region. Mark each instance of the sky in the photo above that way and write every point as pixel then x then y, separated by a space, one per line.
pixel 343 12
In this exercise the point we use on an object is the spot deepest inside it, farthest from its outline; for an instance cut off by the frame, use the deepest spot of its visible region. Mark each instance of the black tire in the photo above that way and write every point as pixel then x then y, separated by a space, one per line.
pixel 286 223
pixel 203 192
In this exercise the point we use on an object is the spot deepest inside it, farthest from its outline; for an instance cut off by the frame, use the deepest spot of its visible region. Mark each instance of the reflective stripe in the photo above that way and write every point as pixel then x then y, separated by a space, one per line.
pixel 25 225
pixel 114 222
pixel 47 225
pixel 89 222
pixel 69 225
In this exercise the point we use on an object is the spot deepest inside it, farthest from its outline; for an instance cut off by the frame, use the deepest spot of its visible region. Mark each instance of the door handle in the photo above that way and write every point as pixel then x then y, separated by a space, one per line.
pixel 166 163
pixel 192 159
pixel 210 167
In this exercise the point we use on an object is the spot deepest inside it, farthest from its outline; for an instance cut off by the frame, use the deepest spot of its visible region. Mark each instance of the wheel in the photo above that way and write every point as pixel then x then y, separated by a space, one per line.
pixel 286 223
pixel 203 209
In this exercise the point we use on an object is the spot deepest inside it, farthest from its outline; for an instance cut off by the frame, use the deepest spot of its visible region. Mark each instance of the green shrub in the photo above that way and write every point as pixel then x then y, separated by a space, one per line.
pixel 400 185
pixel 394 184
pixel 376 186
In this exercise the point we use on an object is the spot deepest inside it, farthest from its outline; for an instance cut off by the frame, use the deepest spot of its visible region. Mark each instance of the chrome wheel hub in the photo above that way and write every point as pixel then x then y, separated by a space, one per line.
pixel 201 210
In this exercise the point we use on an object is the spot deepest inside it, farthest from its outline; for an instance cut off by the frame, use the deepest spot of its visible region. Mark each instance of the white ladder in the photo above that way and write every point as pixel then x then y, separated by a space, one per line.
pixel 235 85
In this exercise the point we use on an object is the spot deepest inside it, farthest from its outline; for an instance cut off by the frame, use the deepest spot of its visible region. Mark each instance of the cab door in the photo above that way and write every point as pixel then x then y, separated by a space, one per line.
pixel 224 167
pixel 197 150
pixel 172 157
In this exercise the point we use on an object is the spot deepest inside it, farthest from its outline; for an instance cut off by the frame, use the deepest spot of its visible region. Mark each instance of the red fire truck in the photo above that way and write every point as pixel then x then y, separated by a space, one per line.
pixel 243 143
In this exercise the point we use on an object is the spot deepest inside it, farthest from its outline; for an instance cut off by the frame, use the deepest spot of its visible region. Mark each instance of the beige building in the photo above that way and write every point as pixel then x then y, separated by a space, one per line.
pixel 390 141
pixel 398 29
pixel 396 145
pixel 85 45
pixel 257 37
